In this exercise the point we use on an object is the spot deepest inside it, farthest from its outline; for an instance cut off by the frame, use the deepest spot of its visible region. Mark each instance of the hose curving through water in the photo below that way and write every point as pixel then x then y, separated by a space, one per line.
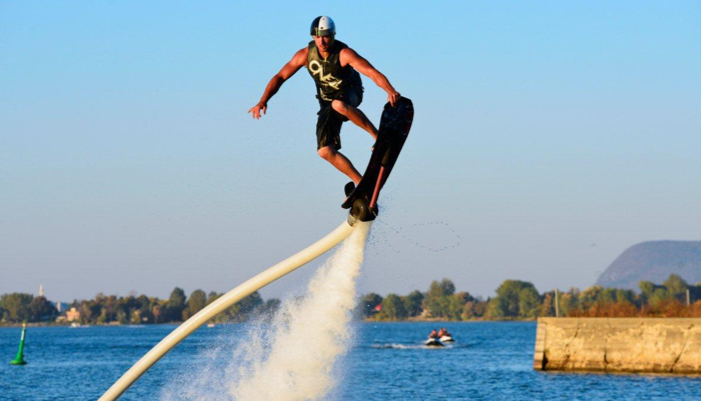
pixel 225 301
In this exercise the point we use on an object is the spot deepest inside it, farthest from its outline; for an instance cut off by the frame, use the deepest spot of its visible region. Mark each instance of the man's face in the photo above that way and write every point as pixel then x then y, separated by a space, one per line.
pixel 323 42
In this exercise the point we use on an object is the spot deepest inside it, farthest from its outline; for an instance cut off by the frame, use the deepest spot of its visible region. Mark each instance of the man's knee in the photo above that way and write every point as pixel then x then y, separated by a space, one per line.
pixel 327 152
pixel 340 107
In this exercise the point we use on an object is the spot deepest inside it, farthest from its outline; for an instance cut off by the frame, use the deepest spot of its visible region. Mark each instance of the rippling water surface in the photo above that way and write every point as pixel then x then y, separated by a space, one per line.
pixel 489 361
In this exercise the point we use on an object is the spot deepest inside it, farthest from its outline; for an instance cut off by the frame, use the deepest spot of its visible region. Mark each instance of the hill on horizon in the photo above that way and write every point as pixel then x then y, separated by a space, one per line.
pixel 654 261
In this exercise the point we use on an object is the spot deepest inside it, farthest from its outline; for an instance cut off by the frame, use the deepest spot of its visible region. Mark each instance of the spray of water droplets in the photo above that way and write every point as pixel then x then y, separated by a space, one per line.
pixel 293 356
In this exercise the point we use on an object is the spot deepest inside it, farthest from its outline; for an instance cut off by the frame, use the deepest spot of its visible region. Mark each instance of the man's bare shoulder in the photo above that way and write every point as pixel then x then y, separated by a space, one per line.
pixel 301 56
pixel 348 56
pixel 348 52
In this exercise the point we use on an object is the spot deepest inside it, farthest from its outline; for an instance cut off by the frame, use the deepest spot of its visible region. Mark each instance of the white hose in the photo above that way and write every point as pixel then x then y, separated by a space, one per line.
pixel 225 301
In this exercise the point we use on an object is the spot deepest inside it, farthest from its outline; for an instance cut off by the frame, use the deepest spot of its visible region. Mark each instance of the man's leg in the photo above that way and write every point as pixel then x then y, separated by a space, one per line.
pixel 341 162
pixel 355 115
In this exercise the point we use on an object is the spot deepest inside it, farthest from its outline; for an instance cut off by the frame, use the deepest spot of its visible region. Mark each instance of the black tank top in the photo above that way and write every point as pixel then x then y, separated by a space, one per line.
pixel 330 78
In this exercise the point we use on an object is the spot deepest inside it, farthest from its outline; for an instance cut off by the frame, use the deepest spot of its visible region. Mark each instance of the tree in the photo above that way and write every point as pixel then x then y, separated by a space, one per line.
pixel 528 302
pixel 16 306
pixel 109 304
pixel 456 303
pixel 695 292
pixel 507 295
pixel 89 311
pixel 368 304
pixel 647 288
pixel 658 297
pixel 515 298
pixel 437 301
pixel 448 287
pixel 569 301
pixel 589 297
pixel 122 317
pixel 474 309
pixel 40 310
pixel 157 313
pixel 412 303
pixel 607 295
pixel 176 304
pixel 498 308
pixel 144 304
pixel 393 308
pixel 103 318
pixel 197 301
pixel 676 286
pixel 548 306
pixel 135 317
pixel 625 296
pixel 212 297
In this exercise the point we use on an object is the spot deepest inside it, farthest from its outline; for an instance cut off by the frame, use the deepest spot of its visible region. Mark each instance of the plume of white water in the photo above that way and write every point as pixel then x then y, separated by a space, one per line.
pixel 294 359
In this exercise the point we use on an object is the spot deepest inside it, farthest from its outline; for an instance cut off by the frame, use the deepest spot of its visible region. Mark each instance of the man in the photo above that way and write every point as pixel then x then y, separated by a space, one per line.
pixel 334 67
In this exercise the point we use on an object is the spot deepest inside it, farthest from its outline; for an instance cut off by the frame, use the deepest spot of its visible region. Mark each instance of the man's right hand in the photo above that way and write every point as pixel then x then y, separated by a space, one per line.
pixel 392 97
pixel 256 110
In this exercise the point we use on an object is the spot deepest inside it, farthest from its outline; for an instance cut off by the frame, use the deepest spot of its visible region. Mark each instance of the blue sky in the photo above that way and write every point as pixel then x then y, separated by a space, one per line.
pixel 548 138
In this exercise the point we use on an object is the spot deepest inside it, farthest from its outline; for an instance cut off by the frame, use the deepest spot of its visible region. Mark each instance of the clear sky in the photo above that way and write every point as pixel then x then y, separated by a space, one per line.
pixel 549 137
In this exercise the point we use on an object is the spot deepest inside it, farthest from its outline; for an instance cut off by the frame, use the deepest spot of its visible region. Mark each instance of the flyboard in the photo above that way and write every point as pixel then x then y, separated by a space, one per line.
pixel 394 128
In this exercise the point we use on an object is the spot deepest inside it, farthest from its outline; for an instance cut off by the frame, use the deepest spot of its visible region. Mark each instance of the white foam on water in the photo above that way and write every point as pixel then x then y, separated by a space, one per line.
pixel 292 357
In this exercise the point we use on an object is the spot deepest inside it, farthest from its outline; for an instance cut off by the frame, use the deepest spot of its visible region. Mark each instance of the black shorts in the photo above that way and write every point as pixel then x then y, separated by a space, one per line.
pixel 328 126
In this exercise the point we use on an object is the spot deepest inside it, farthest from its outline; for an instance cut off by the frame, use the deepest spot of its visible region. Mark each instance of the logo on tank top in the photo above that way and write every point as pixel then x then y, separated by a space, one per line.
pixel 327 80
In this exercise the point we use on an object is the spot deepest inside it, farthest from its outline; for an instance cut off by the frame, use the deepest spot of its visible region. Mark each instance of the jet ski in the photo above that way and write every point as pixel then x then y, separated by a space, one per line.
pixel 447 339
pixel 433 342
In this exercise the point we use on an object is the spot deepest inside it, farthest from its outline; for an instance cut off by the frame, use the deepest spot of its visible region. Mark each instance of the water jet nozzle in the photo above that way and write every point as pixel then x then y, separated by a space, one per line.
pixel 361 211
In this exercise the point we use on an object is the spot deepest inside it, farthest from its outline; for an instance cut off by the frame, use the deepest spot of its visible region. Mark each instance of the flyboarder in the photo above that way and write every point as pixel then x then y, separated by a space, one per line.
pixel 334 67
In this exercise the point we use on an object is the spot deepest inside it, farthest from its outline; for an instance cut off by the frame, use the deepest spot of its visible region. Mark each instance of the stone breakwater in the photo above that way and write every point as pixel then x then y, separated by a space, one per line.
pixel 657 345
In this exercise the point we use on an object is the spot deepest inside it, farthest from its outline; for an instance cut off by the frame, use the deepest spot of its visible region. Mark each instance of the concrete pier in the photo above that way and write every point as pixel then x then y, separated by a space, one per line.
pixel 657 345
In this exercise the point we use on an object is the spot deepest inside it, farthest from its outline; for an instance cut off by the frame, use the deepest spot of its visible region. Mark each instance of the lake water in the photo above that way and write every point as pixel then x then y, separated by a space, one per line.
pixel 489 361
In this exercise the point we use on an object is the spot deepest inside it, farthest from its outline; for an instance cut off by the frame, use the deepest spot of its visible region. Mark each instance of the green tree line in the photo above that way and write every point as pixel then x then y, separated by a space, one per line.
pixel 516 299
pixel 142 309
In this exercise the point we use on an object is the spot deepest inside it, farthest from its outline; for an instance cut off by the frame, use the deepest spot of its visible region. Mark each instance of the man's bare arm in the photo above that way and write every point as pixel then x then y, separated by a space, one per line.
pixel 298 60
pixel 349 56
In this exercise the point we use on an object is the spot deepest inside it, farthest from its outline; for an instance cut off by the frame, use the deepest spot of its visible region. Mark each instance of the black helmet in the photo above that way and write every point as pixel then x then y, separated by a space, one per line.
pixel 322 26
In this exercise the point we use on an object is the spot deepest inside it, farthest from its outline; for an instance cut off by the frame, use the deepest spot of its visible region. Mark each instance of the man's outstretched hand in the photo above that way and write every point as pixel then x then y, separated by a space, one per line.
pixel 392 97
pixel 256 110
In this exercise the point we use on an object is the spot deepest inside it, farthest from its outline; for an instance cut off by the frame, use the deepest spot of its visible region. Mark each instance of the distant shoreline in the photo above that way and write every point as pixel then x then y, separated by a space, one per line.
pixel 515 300
pixel 365 320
